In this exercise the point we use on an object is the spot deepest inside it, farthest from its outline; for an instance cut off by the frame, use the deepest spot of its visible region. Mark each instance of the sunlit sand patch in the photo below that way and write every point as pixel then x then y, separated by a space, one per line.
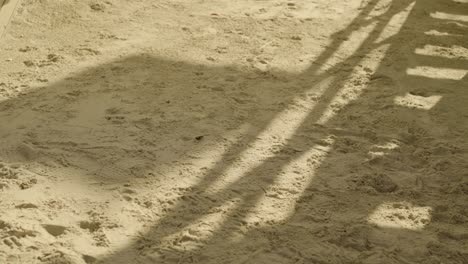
pixel 454 52
pixel 401 215
pixel 395 24
pixel 348 47
pixel 380 8
pixel 415 101
pixel 355 84
pixel 434 32
pixel 461 1
pixel 373 155
pixel 279 200
pixel 389 145
pixel 437 73
pixel 378 151
pixel 447 16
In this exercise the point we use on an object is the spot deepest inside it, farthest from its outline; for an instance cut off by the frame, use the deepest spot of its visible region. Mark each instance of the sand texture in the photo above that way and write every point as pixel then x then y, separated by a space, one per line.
pixel 234 131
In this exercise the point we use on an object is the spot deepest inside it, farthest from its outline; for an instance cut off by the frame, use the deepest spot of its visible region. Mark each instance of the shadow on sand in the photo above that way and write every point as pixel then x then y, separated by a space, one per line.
pixel 389 135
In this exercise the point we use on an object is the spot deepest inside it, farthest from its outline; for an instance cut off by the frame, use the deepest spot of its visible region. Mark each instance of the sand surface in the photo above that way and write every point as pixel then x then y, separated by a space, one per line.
pixel 234 131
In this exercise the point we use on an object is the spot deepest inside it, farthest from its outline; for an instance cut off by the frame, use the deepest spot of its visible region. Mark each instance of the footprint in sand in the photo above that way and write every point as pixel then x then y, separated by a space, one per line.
pixel 6 172
pixel 91 226
pixel 11 235
pixel 115 119
pixel 127 194
pixel 10 175
pixel 55 230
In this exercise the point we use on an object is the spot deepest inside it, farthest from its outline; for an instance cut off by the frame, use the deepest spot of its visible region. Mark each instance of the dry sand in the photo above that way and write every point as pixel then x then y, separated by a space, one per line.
pixel 246 131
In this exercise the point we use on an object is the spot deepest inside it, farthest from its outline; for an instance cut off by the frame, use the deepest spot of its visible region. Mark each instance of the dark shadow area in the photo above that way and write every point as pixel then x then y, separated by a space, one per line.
pixel 329 223
pixel 4 2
